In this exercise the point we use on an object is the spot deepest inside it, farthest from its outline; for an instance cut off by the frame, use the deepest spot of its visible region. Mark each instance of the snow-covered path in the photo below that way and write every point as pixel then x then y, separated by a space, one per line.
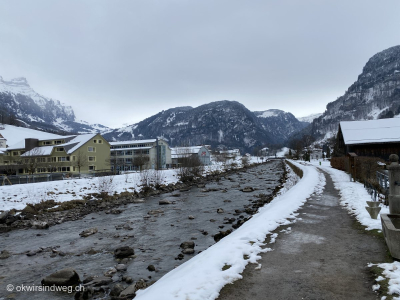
pixel 321 256
pixel 205 275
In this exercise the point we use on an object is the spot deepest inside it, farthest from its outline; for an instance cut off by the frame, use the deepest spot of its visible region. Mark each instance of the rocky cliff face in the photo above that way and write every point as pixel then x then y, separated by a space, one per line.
pixel 375 94
pixel 279 124
pixel 227 123
pixel 40 112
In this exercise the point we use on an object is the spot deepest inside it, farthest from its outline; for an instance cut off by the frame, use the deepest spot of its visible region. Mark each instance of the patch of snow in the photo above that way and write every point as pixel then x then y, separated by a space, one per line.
pixel 282 152
pixel 270 113
pixel 220 135
pixel 309 118
pixel 375 112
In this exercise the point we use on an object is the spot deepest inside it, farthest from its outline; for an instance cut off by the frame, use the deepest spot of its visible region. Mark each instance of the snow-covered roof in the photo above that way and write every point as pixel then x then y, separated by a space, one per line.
pixel 71 146
pixel 78 142
pixel 3 150
pixel 132 142
pixel 371 131
pixel 132 148
pixel 39 151
pixel 233 151
pixel 178 152
pixel 16 135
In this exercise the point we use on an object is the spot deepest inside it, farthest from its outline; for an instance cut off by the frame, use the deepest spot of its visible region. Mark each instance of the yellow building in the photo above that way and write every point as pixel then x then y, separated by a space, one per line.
pixel 67 154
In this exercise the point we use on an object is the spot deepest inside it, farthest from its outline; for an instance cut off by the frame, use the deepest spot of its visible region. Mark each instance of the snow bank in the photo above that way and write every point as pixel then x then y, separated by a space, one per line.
pixel 353 197
pixel 17 196
pixel 203 276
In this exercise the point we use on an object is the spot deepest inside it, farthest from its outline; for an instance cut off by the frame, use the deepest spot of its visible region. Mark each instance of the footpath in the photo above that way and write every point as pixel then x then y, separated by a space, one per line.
pixel 323 255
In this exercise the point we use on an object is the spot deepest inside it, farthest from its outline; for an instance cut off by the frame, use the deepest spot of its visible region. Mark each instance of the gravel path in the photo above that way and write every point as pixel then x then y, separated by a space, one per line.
pixel 323 256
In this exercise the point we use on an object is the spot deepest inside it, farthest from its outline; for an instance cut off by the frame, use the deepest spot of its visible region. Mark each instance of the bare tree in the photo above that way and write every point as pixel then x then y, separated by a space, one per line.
pixel 80 161
pixel 245 161
pixel 32 160
pixel 189 166
pixel 140 159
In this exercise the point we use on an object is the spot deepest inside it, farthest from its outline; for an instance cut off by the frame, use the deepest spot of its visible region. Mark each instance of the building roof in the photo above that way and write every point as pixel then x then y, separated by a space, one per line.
pixel 233 151
pixel 184 151
pixel 71 146
pixel 133 142
pixel 16 136
pixel 371 131
pixel 131 148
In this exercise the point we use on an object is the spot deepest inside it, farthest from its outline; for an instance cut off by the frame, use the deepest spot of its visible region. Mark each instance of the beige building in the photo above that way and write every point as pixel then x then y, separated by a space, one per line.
pixel 67 154
pixel 140 154
pixel 3 142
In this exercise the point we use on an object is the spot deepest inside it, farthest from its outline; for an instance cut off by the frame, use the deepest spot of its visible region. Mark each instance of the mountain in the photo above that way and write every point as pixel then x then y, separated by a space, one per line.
pixel 227 123
pixel 37 111
pixel 375 94
pixel 309 118
pixel 279 124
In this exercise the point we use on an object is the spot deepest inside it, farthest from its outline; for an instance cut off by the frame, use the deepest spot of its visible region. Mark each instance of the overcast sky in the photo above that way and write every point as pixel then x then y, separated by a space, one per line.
pixel 117 62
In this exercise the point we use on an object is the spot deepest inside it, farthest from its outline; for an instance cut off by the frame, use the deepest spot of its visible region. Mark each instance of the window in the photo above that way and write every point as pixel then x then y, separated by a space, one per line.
pixel 51 159
pixel 128 152
pixel 92 158
pixel 63 158
pixel 95 141
pixel 15 153
pixel 58 142
pixel 47 143
pixel 41 159
pixel 63 169
pixel 60 149
pixel 100 141
pixel 91 149
pixel 128 160
pixel 92 168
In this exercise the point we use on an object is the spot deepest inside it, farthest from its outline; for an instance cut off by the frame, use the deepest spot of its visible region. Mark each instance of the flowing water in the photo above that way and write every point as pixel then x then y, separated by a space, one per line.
pixel 155 238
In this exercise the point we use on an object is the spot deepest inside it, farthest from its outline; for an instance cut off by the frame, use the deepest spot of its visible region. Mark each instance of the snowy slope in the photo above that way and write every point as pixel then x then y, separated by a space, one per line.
pixel 309 118
pixel 375 95
pixel 18 97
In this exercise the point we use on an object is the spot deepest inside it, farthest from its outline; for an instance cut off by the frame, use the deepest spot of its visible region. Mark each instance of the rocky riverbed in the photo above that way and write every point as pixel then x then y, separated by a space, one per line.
pixel 129 244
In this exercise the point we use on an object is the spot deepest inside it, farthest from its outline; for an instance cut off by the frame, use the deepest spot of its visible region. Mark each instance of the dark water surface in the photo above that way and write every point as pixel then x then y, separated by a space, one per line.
pixel 155 238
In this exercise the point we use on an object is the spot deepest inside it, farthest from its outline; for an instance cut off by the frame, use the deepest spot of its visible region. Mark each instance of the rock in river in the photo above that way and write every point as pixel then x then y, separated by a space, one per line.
pixel 4 254
pixel 64 277
pixel 164 202
pixel 188 251
pixel 123 252
pixel 116 290
pixel 88 232
pixel 248 189
pixel 186 245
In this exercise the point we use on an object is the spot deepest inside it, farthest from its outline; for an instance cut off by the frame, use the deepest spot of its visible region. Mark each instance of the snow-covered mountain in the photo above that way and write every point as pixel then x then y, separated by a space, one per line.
pixel 309 118
pixel 227 123
pixel 375 94
pixel 17 97
pixel 279 124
